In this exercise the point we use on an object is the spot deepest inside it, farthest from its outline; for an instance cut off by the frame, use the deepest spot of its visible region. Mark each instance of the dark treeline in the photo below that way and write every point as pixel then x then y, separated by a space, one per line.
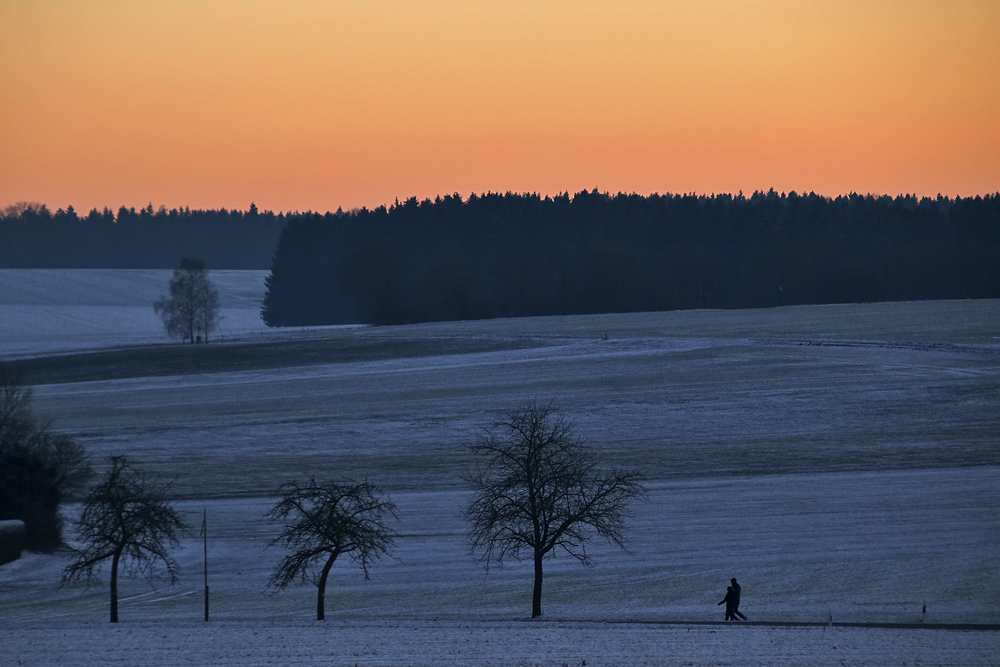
pixel 524 255
pixel 32 237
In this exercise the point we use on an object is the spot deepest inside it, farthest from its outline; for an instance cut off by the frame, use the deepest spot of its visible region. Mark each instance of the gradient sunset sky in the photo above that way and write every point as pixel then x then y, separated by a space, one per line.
pixel 309 104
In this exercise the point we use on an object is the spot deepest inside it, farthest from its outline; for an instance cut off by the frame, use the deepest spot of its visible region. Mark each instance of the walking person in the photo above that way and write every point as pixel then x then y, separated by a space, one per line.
pixel 729 601
pixel 736 599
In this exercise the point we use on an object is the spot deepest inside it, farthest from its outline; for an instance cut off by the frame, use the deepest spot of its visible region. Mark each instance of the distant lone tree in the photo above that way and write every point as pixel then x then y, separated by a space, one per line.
pixel 323 521
pixel 191 312
pixel 38 468
pixel 128 519
pixel 537 488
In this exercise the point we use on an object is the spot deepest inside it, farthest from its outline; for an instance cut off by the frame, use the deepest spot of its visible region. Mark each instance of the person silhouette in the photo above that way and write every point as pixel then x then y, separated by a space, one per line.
pixel 736 599
pixel 729 600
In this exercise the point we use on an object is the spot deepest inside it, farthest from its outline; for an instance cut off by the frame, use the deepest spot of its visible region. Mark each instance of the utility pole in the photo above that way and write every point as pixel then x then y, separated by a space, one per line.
pixel 204 532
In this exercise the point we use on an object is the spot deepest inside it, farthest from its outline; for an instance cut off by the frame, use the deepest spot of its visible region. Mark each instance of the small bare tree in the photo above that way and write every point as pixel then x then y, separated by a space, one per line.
pixel 192 309
pixel 322 521
pixel 125 518
pixel 538 488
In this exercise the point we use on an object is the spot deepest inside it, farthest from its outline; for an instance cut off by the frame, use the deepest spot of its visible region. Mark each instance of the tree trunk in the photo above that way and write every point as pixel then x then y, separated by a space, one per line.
pixel 320 610
pixel 114 586
pixel 536 596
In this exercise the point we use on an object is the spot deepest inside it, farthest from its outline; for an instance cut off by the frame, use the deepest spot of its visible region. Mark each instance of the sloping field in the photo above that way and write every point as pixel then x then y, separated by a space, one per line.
pixel 52 310
pixel 841 461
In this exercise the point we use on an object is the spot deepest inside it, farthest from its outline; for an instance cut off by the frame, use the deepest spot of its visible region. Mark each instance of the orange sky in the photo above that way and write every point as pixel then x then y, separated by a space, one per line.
pixel 319 104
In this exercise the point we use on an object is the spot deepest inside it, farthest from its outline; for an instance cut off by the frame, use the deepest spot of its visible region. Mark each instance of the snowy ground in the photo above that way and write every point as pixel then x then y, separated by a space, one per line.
pixel 392 644
pixel 53 310
pixel 841 461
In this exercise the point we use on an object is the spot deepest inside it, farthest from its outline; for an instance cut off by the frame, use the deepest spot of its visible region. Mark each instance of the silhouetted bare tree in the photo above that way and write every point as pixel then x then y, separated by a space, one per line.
pixel 323 521
pixel 38 468
pixel 192 309
pixel 17 209
pixel 126 518
pixel 538 488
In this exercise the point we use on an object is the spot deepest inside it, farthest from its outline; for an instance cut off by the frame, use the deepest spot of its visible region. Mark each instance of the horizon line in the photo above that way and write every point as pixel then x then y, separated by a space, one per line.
pixel 16 208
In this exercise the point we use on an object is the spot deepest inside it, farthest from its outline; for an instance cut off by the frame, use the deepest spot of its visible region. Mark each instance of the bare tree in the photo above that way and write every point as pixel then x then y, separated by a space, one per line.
pixel 19 428
pixel 322 521
pixel 128 519
pixel 538 488
pixel 192 309
pixel 69 460
pixel 16 421
pixel 17 209
pixel 38 468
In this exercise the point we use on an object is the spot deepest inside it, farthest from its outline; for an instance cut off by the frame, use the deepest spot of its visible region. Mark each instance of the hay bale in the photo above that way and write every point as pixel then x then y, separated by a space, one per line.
pixel 11 540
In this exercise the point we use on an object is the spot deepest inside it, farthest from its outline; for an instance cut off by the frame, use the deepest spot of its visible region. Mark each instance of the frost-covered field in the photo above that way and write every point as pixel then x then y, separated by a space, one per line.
pixel 50 310
pixel 842 461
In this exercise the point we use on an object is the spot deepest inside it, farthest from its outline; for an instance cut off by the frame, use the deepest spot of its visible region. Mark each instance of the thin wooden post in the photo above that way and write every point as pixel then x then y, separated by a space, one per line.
pixel 204 532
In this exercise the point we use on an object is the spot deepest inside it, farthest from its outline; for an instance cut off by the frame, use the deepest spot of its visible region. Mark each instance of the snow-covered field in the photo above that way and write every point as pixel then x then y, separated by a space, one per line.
pixel 842 461
pixel 52 310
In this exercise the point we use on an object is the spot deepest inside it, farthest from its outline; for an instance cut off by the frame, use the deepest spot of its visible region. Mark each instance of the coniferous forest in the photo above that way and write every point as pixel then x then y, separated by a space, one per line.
pixel 510 255
pixel 33 237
